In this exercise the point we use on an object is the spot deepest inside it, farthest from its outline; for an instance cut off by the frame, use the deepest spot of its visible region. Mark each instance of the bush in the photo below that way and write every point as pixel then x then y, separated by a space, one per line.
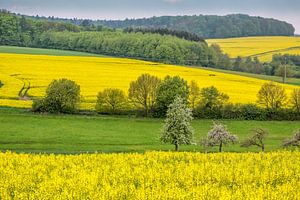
pixel 111 101
pixel 62 96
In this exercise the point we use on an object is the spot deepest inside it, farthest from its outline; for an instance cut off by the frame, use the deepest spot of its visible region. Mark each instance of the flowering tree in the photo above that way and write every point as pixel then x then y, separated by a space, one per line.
pixel 219 136
pixel 177 129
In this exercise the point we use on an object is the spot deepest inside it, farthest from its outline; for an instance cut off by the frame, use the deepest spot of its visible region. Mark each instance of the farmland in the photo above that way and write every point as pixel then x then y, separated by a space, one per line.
pixel 96 73
pixel 154 175
pixel 262 47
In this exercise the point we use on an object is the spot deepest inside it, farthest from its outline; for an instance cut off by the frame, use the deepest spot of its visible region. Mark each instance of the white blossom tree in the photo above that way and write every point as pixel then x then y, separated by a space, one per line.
pixel 219 136
pixel 177 129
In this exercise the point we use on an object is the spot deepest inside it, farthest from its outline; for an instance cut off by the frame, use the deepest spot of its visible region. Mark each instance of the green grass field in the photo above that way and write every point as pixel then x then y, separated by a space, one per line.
pixel 39 51
pixel 23 131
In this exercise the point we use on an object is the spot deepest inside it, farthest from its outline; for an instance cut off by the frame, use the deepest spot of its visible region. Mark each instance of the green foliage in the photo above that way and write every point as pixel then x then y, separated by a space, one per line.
pixel 142 92
pixel 295 99
pixel 218 136
pixel 212 98
pixel 168 90
pixel 211 26
pixel 1 84
pixel 177 129
pixel 62 96
pixel 257 139
pixel 272 96
pixel 111 101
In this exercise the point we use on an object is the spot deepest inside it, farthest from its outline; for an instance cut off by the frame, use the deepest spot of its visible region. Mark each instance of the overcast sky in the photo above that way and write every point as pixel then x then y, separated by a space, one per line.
pixel 287 10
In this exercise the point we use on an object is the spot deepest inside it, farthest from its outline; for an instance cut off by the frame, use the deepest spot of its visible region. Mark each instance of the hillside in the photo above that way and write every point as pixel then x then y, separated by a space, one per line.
pixel 210 26
pixel 94 74
pixel 262 47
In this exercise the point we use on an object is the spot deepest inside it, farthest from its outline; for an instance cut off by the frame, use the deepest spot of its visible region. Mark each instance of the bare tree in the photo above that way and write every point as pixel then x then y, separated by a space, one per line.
pixel 257 139
pixel 294 140
pixel 142 92
pixel 219 136
pixel 295 99
pixel 272 96
pixel 177 129
pixel 194 96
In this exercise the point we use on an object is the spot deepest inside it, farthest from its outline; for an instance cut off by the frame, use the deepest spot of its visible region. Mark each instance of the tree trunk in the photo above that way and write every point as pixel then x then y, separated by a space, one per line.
pixel 220 147
pixel 262 147
pixel 176 146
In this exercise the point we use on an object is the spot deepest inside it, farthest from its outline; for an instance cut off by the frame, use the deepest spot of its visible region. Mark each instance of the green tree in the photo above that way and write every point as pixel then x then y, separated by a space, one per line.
pixel 295 99
pixel 218 136
pixel 177 129
pixel 62 96
pixel 111 101
pixel 194 95
pixel 212 98
pixel 272 96
pixel 257 139
pixel 142 92
pixel 168 90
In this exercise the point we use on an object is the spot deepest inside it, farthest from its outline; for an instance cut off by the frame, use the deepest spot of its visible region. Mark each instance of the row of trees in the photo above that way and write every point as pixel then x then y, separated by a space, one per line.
pixel 164 31
pixel 177 131
pixel 151 96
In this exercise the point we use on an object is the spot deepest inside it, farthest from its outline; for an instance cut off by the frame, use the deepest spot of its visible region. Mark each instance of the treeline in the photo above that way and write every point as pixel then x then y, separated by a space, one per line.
pixel 210 26
pixel 152 47
pixel 280 64
pixel 164 31
pixel 151 97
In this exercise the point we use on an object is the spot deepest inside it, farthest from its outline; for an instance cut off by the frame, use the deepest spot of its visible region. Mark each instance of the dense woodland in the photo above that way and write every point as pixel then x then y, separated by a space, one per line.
pixel 159 45
pixel 210 26
pixel 207 26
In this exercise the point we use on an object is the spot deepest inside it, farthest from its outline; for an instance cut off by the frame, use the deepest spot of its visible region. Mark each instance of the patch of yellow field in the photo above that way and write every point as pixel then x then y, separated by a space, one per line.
pixel 94 74
pixel 153 175
pixel 262 47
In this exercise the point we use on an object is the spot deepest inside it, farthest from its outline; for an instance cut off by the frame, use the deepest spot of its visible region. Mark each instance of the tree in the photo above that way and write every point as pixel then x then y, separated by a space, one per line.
pixel 212 98
pixel 257 139
pixel 168 90
pixel 194 95
pixel 219 136
pixel 177 129
pixel 295 99
pixel 142 92
pixel 272 96
pixel 284 71
pixel 111 100
pixel 62 96
pixel 294 140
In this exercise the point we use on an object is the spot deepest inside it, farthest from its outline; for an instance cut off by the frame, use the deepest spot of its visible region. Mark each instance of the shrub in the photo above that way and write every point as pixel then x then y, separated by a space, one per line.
pixel 62 96
pixel 111 101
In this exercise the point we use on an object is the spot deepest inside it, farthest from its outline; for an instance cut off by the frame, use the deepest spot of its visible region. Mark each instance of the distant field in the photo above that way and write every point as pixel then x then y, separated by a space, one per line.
pixel 262 47
pixel 39 51
pixel 95 73
pixel 23 131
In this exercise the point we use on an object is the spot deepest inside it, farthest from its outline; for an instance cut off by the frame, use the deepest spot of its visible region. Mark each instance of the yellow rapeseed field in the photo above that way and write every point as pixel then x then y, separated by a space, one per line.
pixel 153 175
pixel 262 47
pixel 94 74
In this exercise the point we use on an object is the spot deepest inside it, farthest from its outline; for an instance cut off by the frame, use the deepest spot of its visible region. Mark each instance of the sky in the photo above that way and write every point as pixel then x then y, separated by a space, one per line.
pixel 286 10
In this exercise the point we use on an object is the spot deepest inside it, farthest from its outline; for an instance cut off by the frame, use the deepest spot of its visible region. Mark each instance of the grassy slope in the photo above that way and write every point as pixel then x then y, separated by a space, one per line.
pixel 23 131
pixel 39 51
